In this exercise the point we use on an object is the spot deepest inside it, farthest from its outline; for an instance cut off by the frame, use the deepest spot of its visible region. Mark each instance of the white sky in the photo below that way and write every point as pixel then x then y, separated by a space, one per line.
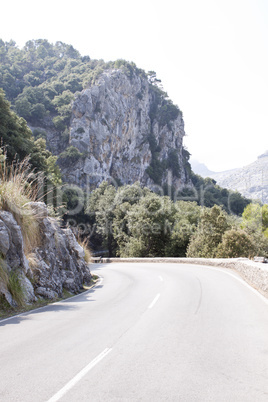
pixel 211 55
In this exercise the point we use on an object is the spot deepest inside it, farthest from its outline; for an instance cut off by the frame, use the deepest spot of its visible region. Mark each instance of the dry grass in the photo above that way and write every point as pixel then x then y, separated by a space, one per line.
pixel 84 244
pixel 18 187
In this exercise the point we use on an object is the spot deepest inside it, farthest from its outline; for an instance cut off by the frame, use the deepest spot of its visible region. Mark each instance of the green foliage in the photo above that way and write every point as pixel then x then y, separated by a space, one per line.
pixel 211 227
pixel 19 143
pixel 132 221
pixel 101 204
pixel 45 162
pixel 10 281
pixel 149 223
pixel 14 132
pixel 156 170
pixel 236 243
pixel 185 223
pixel 255 222
pixel 70 155
pixel 255 218
pixel 162 109
pixel 15 288
pixel 207 193
pixel 173 162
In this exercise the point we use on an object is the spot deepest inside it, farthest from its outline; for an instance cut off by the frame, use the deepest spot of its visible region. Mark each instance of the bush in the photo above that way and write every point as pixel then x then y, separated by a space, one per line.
pixel 236 243
pixel 71 154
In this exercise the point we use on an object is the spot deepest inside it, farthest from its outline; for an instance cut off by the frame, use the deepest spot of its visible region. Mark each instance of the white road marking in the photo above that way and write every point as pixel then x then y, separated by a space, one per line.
pixel 161 279
pixel 241 280
pixel 154 301
pixel 79 376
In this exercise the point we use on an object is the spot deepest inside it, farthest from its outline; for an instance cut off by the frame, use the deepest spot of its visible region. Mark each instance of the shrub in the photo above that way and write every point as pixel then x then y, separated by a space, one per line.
pixel 71 154
pixel 236 243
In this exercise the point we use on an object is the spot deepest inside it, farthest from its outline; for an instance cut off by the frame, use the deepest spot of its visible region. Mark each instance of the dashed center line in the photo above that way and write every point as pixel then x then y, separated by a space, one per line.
pixel 154 301
pixel 161 279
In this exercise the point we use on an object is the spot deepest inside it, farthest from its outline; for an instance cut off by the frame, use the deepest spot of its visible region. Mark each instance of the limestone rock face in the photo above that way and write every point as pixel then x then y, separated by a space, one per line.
pixel 13 257
pixel 121 126
pixel 61 261
pixel 56 264
pixel 11 242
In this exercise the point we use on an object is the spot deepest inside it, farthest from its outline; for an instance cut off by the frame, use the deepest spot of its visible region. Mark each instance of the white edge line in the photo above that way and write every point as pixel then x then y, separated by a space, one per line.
pixel 154 301
pixel 25 313
pixel 241 280
pixel 79 376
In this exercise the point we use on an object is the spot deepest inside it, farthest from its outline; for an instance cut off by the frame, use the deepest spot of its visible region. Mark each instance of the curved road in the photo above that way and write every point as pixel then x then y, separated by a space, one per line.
pixel 146 332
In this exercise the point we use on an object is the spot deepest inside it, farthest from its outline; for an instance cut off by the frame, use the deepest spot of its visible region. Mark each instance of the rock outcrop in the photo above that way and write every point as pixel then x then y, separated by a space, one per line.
pixel 126 130
pixel 56 264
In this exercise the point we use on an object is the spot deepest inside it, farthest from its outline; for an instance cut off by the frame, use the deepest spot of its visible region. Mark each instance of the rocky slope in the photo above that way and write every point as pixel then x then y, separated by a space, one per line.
pixel 126 130
pixel 250 180
pixel 56 264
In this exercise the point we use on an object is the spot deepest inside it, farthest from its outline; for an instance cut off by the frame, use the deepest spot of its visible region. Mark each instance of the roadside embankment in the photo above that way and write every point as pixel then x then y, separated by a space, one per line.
pixel 254 273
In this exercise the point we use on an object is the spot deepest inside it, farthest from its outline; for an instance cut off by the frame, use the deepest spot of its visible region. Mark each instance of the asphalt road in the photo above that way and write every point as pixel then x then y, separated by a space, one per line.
pixel 146 332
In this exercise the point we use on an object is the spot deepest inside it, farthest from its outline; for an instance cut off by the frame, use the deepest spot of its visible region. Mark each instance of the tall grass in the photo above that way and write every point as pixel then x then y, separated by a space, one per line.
pixel 3 273
pixel 15 288
pixel 18 187
pixel 11 282
pixel 84 245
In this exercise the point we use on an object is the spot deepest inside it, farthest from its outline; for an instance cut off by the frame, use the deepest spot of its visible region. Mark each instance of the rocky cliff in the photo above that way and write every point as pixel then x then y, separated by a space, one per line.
pixel 56 264
pixel 125 129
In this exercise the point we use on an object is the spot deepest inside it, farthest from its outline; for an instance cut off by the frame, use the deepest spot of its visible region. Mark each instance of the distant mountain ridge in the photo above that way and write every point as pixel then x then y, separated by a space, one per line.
pixel 250 180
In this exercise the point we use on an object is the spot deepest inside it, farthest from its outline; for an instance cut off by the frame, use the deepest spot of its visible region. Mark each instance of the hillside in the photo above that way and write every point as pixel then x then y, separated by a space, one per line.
pixel 250 180
pixel 104 120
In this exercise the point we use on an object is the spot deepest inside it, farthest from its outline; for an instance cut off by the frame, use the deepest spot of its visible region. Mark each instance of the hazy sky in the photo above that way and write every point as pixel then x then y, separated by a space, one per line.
pixel 211 55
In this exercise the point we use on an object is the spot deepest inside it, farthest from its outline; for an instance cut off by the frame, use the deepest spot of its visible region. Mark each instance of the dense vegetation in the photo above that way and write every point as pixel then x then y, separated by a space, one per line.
pixel 41 79
pixel 19 142
pixel 134 222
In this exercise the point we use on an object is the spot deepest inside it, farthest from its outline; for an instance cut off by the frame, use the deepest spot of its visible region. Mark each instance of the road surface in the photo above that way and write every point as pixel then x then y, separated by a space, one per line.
pixel 146 332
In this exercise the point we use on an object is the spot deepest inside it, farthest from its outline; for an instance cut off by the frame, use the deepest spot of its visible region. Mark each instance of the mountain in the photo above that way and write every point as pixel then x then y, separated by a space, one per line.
pixel 250 180
pixel 103 120
pixel 126 130
pixel 200 168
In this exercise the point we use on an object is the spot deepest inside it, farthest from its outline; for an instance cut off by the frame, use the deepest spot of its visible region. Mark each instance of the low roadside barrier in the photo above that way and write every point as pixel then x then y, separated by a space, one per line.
pixel 255 273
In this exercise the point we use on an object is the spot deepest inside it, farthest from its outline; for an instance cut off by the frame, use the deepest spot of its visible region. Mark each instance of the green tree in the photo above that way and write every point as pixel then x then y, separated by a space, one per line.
pixel 14 133
pixel 255 218
pixel 42 160
pixel 236 243
pixel 149 223
pixel 186 219
pixel 101 204
pixel 213 224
